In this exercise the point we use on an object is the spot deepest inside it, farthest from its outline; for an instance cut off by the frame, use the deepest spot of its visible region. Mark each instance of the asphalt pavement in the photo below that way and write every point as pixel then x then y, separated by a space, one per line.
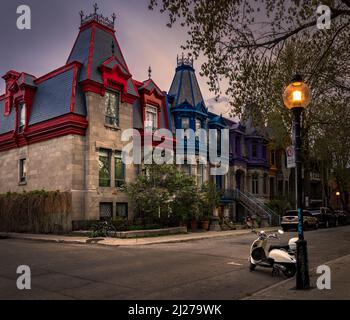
pixel 204 269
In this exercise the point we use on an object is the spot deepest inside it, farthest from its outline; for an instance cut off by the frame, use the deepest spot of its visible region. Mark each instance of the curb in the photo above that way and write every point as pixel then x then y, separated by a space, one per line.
pixel 98 240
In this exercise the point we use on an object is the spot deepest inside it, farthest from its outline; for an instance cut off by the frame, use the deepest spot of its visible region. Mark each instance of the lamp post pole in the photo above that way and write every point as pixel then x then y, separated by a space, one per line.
pixel 303 279
pixel 297 97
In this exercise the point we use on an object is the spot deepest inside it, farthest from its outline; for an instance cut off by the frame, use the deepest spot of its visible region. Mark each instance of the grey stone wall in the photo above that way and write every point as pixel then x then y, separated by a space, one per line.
pixel 56 164
pixel 99 135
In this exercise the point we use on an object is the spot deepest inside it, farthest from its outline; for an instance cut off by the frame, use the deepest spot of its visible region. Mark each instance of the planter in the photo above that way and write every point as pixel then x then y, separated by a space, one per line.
pixel 194 225
pixel 205 225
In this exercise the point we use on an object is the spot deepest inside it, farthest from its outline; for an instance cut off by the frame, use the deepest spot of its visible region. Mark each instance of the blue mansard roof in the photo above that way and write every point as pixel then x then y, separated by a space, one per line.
pixel 185 92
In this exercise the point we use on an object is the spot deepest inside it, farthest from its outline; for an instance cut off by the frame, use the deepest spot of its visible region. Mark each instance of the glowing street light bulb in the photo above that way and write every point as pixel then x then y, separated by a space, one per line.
pixel 297 96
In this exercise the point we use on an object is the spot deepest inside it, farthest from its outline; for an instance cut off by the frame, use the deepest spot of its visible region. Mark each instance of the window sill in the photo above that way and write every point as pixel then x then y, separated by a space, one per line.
pixel 22 183
pixel 111 127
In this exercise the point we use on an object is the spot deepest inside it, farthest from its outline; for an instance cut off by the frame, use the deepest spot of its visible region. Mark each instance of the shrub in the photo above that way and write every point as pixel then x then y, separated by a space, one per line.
pixel 36 212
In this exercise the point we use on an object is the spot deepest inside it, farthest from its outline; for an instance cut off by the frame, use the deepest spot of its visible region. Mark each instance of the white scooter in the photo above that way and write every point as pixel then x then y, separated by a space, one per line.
pixel 279 258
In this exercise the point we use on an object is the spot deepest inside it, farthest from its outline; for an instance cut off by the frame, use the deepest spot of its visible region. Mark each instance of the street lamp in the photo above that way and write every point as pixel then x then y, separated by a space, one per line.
pixel 297 97
pixel 338 198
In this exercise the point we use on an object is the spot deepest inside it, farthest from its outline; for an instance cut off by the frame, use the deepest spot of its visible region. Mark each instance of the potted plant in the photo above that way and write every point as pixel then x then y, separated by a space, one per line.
pixel 194 224
pixel 205 223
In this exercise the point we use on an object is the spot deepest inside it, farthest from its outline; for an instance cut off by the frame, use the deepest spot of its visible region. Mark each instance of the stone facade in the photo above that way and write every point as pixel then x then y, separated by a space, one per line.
pixel 75 156
pixel 99 135
pixel 45 162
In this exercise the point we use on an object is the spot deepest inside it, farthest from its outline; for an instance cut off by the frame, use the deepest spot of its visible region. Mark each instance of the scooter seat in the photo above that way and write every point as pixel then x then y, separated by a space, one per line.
pixel 279 247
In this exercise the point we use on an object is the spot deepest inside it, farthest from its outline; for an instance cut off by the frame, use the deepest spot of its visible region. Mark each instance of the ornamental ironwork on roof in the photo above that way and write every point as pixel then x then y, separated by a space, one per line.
pixel 108 22
pixel 183 61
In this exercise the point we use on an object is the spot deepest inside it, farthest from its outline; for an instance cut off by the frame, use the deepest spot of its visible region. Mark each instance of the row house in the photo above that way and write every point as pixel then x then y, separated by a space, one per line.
pixel 63 131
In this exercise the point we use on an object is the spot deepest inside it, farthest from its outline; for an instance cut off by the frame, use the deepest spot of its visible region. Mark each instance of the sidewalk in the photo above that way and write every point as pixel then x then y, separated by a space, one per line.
pixel 340 286
pixel 131 242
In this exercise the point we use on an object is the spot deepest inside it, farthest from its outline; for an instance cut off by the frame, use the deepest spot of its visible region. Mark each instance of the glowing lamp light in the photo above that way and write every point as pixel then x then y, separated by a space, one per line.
pixel 297 94
pixel 337 194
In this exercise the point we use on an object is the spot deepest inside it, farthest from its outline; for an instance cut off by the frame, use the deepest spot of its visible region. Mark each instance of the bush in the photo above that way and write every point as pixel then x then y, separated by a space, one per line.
pixel 102 230
pixel 120 223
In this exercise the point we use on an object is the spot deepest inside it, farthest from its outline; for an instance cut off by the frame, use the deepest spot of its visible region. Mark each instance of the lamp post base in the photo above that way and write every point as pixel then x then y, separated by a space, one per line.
pixel 303 278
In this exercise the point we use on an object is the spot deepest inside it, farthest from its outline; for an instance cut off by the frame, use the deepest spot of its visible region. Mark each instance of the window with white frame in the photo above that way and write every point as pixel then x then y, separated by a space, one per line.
pixel 151 117
pixel 22 117
pixel 23 170
pixel 112 109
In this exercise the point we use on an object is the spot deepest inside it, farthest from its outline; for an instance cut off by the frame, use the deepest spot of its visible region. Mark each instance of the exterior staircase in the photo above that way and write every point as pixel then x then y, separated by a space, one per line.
pixel 252 205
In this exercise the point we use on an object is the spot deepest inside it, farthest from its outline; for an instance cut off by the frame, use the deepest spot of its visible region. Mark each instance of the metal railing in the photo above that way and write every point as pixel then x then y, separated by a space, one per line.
pixel 250 203
pixel 264 206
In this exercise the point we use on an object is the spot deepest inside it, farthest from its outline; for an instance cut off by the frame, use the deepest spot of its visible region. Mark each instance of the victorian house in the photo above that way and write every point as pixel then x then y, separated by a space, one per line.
pixel 63 130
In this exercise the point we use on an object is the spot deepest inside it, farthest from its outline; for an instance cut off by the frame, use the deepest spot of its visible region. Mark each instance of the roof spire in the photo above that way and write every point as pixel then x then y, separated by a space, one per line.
pixel 149 72
pixel 114 17
pixel 81 13
pixel 95 7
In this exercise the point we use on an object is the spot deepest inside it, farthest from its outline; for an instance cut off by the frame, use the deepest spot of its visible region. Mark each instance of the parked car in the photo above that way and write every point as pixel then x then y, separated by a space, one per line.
pixel 325 216
pixel 342 218
pixel 290 220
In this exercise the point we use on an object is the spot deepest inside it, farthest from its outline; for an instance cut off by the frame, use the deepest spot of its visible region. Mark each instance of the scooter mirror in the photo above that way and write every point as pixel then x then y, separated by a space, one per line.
pixel 280 231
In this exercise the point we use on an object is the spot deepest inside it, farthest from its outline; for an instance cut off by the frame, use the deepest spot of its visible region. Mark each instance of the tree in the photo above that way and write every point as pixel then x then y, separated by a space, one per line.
pixel 164 192
pixel 254 47
pixel 209 199
pixel 241 38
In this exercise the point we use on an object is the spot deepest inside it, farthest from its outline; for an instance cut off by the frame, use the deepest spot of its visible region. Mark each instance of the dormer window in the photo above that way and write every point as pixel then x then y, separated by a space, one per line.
pixel 112 109
pixel 22 117
pixel 185 123
pixel 151 117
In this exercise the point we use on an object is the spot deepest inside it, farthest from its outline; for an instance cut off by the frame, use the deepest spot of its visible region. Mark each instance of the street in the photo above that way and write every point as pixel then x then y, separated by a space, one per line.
pixel 205 269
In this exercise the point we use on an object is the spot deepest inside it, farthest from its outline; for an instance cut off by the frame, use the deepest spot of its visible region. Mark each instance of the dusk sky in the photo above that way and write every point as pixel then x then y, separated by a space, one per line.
pixel 142 35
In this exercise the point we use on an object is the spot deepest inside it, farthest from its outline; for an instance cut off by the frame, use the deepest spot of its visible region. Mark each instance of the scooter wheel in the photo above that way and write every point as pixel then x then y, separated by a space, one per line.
pixel 252 267
pixel 290 271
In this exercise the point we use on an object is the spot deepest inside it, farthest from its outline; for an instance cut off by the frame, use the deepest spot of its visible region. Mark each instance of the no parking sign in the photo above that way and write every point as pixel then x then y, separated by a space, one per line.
pixel 290 152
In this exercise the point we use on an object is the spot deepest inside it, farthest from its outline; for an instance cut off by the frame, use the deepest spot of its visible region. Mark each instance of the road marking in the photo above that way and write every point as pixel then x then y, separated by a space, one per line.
pixel 235 264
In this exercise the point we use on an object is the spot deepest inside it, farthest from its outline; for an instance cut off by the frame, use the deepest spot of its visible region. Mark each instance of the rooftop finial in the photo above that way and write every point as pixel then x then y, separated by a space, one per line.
pixel 96 7
pixel 114 16
pixel 108 22
pixel 149 72
pixel 81 13
pixel 184 61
